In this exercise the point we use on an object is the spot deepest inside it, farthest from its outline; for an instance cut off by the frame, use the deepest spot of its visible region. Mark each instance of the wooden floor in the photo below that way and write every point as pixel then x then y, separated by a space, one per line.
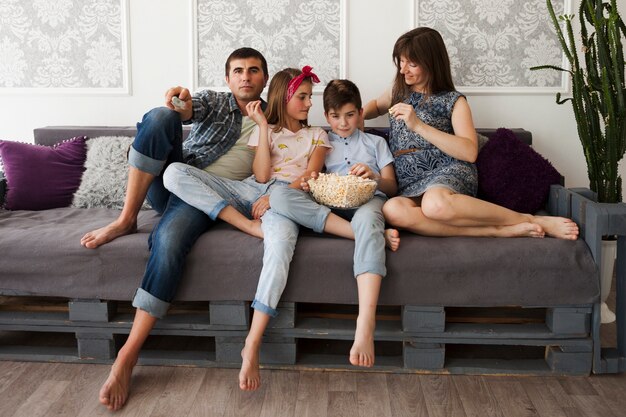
pixel 45 389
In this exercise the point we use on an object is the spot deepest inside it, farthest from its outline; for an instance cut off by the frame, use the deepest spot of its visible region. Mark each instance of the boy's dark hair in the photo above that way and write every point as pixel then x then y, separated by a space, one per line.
pixel 338 93
pixel 246 52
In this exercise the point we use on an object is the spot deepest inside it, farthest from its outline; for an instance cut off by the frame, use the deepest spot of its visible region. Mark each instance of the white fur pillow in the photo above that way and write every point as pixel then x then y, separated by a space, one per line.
pixel 106 173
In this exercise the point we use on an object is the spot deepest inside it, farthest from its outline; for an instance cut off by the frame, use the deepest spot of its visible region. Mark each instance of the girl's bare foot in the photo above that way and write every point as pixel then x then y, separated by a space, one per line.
pixel 250 376
pixel 559 227
pixel 255 229
pixel 362 351
pixel 114 391
pixel 108 233
pixel 525 229
pixel 392 239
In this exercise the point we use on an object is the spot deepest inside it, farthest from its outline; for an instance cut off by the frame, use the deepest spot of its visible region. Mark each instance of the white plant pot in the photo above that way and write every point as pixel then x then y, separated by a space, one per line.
pixel 609 251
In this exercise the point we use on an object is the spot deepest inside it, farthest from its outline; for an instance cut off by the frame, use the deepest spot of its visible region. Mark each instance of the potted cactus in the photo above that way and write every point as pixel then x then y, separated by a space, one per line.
pixel 598 91
pixel 599 103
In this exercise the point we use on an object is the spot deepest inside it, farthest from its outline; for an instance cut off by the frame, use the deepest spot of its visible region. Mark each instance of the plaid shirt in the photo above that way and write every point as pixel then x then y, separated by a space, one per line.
pixel 216 127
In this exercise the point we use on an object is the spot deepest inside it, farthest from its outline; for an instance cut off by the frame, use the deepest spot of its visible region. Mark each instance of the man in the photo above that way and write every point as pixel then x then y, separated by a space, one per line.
pixel 217 143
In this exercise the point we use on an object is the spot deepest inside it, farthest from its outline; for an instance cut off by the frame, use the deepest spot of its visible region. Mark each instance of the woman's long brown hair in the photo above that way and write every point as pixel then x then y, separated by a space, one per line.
pixel 424 47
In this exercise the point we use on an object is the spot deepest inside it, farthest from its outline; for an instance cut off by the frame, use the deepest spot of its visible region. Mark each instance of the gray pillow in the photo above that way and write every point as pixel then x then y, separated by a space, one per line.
pixel 106 173
pixel 482 140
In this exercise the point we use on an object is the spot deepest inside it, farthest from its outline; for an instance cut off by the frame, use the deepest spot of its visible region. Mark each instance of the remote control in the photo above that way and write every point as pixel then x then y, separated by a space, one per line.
pixel 178 102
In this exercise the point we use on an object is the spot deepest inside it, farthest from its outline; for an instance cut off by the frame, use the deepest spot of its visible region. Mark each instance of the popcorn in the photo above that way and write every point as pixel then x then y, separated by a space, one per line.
pixel 345 191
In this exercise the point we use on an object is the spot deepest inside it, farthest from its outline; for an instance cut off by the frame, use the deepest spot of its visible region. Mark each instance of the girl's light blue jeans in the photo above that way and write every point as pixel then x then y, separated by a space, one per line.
pixel 367 221
pixel 211 194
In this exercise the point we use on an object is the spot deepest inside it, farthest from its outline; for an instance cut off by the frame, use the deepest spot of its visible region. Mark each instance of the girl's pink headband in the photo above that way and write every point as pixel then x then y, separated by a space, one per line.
pixel 296 81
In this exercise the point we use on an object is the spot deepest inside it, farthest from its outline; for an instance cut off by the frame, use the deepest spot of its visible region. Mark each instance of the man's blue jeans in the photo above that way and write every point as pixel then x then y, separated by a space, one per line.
pixel 157 144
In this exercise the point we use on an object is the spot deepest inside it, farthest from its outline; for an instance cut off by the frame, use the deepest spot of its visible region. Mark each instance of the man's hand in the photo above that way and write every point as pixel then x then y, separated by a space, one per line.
pixel 260 206
pixel 186 112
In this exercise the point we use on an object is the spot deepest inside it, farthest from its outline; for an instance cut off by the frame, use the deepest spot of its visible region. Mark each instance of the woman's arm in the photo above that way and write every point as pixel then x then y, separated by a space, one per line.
pixel 378 106
pixel 462 145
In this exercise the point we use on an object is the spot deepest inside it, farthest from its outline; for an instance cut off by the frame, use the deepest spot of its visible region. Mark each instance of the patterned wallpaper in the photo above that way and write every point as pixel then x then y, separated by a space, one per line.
pixel 63 44
pixel 289 33
pixel 493 43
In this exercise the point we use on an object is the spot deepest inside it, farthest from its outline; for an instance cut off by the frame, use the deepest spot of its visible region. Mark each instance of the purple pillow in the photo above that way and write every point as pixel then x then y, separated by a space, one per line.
pixel 513 175
pixel 42 177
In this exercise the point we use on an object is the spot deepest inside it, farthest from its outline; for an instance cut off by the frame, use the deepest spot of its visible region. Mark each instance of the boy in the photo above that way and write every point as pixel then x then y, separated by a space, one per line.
pixel 368 156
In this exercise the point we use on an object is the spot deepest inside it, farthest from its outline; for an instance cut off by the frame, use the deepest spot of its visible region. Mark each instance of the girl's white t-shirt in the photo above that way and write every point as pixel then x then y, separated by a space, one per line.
pixel 290 151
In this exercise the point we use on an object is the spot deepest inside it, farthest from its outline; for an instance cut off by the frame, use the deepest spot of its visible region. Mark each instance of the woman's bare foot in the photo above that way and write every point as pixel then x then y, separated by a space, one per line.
pixel 525 229
pixel 559 227
pixel 114 391
pixel 250 376
pixel 108 233
pixel 392 239
pixel 362 351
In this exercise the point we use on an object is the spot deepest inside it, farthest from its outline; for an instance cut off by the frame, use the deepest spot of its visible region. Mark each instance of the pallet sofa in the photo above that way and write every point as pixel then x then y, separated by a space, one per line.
pixel 448 305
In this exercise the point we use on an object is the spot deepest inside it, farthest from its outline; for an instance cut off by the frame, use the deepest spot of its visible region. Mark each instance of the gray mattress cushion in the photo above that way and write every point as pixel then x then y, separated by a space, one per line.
pixel 40 254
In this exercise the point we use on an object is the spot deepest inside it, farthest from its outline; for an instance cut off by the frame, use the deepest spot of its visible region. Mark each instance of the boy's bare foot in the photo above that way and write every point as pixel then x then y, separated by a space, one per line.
pixel 108 233
pixel 362 351
pixel 525 229
pixel 114 391
pixel 559 227
pixel 250 376
pixel 392 239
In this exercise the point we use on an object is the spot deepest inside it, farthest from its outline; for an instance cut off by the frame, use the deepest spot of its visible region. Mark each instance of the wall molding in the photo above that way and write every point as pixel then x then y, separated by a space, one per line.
pixel 65 50
pixel 483 45
pixel 277 47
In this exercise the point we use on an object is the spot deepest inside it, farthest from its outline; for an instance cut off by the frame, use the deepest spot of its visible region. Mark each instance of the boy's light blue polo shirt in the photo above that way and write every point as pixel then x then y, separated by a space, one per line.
pixel 359 147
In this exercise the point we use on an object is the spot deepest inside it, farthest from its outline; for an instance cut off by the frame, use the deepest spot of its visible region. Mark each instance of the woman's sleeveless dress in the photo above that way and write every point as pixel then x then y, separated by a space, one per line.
pixel 428 166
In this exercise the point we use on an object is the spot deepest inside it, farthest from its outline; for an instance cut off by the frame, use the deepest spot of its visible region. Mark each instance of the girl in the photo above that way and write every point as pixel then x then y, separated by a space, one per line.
pixel 286 150
pixel 435 145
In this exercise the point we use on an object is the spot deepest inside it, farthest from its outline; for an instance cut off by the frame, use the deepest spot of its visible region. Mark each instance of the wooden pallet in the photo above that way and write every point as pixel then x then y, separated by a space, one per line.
pixel 502 340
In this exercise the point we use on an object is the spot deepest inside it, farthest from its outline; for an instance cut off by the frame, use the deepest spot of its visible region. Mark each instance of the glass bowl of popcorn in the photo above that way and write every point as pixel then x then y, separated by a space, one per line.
pixel 342 191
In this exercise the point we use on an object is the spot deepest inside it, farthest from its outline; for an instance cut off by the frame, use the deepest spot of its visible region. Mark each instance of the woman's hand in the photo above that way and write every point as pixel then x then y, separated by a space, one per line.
pixel 255 112
pixel 403 111
pixel 364 171
pixel 260 206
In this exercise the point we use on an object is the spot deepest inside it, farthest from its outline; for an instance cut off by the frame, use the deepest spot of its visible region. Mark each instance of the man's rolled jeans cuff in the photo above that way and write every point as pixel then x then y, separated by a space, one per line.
pixel 144 163
pixel 257 305
pixel 150 304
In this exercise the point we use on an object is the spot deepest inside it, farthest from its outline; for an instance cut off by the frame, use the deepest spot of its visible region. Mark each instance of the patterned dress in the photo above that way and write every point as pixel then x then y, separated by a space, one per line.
pixel 428 166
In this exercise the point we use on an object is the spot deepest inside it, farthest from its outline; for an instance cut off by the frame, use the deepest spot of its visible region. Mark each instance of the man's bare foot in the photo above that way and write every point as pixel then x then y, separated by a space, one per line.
pixel 114 391
pixel 108 233
pixel 392 239
pixel 250 376
pixel 362 351
pixel 559 227
pixel 525 229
